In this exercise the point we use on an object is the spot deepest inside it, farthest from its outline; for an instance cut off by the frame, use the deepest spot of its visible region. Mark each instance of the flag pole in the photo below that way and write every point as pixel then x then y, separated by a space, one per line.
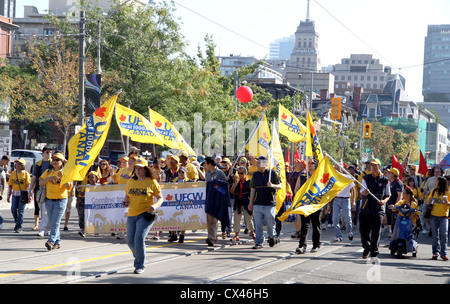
pixel 354 179
pixel 271 151
pixel 250 137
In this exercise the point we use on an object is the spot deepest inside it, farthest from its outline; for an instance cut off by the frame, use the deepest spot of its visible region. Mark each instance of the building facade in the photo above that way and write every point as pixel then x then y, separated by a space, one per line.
pixel 306 49
pixel 436 69
pixel 362 70
pixel 281 49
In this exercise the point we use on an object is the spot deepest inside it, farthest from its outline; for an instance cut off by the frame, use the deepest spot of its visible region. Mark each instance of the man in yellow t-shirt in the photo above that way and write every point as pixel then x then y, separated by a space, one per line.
pixel 124 173
pixel 191 170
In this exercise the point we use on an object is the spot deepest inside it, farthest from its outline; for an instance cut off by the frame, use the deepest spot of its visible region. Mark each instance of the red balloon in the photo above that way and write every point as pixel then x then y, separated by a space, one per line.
pixel 244 94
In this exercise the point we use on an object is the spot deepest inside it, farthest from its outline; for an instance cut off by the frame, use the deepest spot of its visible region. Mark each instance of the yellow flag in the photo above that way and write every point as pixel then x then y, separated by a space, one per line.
pixel 318 190
pixel 135 126
pixel 290 126
pixel 313 148
pixel 85 146
pixel 168 133
pixel 277 164
pixel 258 144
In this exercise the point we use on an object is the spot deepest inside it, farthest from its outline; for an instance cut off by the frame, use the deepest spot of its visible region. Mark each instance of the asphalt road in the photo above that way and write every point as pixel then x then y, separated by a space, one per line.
pixel 107 260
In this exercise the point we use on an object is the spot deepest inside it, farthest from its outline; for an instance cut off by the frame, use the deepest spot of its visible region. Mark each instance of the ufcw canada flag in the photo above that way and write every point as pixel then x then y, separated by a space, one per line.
pixel 85 146
pixel 290 126
pixel 259 143
pixel 318 190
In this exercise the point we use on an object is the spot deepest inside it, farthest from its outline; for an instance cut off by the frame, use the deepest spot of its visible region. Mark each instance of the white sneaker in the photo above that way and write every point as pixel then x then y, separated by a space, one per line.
pixel 338 240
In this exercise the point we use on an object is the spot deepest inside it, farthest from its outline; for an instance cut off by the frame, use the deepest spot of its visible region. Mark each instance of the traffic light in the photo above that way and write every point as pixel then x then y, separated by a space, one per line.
pixel 367 131
pixel 335 108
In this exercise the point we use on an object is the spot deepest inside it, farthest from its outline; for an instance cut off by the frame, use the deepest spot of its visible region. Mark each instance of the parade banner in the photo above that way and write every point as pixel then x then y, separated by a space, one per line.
pixel 183 208
pixel 313 148
pixel 258 144
pixel 85 146
pixel 277 163
pixel 135 126
pixel 290 126
pixel 168 133
pixel 318 190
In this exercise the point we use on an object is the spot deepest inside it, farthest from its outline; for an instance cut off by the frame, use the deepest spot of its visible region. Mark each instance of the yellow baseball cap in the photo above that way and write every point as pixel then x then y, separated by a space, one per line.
pixel 58 156
pixel 395 171
pixel 141 162
pixel 93 173
pixel 375 161
pixel 21 161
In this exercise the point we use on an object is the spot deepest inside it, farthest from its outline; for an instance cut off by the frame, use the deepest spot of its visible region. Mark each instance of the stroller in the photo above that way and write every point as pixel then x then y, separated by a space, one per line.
pixel 403 241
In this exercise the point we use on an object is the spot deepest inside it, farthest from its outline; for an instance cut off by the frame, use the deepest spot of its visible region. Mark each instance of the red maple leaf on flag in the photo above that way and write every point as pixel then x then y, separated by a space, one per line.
pixel 284 116
pixel 325 178
pixel 158 124
pixel 265 135
pixel 100 112
pixel 122 118
pixel 169 197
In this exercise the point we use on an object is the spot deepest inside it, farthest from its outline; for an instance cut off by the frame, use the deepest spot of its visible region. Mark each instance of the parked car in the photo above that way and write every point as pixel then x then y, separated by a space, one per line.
pixel 113 156
pixel 30 156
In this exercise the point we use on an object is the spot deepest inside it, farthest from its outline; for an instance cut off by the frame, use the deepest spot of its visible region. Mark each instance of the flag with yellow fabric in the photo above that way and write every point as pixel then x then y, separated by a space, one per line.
pixel 313 148
pixel 135 126
pixel 319 190
pixel 259 142
pixel 85 146
pixel 290 126
pixel 168 133
pixel 277 164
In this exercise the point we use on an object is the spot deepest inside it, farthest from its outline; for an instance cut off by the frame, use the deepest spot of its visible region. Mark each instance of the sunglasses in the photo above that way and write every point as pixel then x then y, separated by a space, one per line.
pixel 241 173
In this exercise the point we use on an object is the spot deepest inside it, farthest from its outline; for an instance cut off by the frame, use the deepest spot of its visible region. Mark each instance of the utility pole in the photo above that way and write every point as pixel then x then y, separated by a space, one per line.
pixel 81 68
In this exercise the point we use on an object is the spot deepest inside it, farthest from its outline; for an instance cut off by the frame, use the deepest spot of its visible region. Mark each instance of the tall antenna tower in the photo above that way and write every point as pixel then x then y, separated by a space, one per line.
pixel 307 12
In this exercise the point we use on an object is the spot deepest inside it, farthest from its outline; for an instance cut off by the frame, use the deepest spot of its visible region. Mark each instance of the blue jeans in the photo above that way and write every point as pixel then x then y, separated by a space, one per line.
pixel 17 210
pixel 439 225
pixel 261 215
pixel 344 205
pixel 137 230
pixel 55 211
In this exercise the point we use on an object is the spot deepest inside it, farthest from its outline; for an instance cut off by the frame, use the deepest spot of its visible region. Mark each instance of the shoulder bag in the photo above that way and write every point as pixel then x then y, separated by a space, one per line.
pixel 23 193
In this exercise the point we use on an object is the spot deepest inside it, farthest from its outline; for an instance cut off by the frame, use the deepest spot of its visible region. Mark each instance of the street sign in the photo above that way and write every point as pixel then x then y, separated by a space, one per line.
pixel 367 150
pixel 365 157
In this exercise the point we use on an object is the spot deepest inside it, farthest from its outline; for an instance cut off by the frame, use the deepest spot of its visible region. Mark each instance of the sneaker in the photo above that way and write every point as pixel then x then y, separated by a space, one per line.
pixel 257 247
pixel 445 258
pixel 338 240
pixel 300 250
pixel 435 257
pixel 315 249
pixel 350 236
pixel 271 242
pixel 18 230
pixel 49 246
pixel 81 233
pixel 40 233
pixel 139 270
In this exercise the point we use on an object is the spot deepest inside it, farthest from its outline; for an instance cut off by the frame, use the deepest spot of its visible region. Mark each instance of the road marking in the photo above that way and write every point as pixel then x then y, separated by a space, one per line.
pixel 86 260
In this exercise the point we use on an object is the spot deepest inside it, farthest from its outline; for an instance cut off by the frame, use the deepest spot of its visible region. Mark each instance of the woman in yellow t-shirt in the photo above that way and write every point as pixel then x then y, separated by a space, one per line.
pixel 56 202
pixel 439 218
pixel 141 191
pixel 19 180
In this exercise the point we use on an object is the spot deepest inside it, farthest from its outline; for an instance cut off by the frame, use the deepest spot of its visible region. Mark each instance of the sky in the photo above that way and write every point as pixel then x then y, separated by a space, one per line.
pixel 393 31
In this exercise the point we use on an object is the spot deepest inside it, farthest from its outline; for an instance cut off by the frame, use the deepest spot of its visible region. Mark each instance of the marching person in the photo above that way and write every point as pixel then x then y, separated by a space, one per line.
pixel 141 191
pixel 241 192
pixel 372 210
pixel 343 202
pixel 56 202
pixel 263 189
pixel 312 220
pixel 212 174
pixel 438 198
pixel 19 180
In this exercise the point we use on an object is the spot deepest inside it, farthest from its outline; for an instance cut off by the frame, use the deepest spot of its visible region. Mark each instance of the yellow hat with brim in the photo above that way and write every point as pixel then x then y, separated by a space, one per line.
pixel 375 161
pixel 140 162
pixel 394 171
pixel 58 156
pixel 92 173
pixel 20 161
pixel 125 158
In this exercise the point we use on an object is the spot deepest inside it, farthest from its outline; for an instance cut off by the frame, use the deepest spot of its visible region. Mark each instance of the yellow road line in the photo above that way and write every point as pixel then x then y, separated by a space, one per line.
pixel 86 260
